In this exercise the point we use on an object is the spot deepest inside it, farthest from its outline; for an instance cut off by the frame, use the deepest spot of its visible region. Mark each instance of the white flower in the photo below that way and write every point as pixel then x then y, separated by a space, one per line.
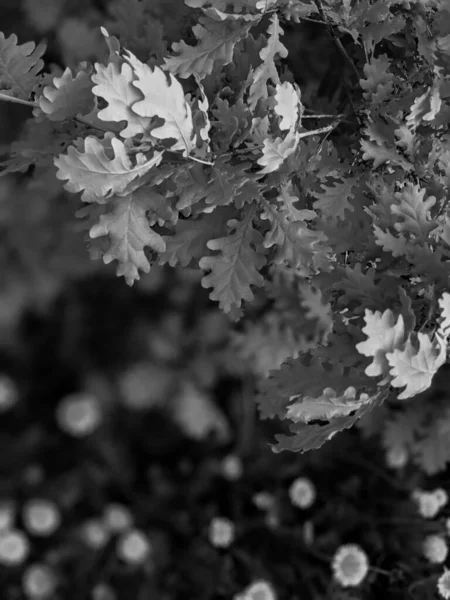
pixel 221 532
pixel 443 584
pixel 41 516
pixel 232 467
pixel 7 514
pixel 95 534
pixel 397 457
pixel 14 547
pixel 117 518
pixel 302 492
pixel 435 549
pixel 9 394
pixel 39 581
pixel 350 565
pixel 441 496
pixel 258 590
pixel 133 547
pixel 79 414
pixel 427 503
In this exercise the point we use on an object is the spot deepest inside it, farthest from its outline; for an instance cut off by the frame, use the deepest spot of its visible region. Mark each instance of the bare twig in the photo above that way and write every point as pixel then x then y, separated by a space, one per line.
pixel 337 41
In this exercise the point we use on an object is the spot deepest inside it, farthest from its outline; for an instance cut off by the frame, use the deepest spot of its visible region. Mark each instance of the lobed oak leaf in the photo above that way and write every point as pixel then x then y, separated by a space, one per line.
pixel 236 267
pixel 267 70
pixel 312 436
pixel 163 97
pixel 19 66
pixel 334 200
pixel 444 304
pixel 68 97
pixel 276 151
pixel 190 237
pixel 379 82
pixel 115 85
pixel 101 169
pixel 129 233
pixel 215 48
pixel 383 336
pixel 414 212
pixel 425 107
pixel 414 368
pixel 288 105
pixel 325 407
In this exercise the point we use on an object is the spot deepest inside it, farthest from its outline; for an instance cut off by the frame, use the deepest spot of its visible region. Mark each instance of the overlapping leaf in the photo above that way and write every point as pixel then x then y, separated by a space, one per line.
pixel 129 233
pixel 101 168
pixel 115 85
pixel 215 48
pixel 19 66
pixel 236 266
pixel 267 70
pixel 68 97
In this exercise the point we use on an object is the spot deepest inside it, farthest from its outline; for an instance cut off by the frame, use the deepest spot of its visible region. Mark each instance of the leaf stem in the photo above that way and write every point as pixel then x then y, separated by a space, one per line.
pixel 14 100
pixel 199 160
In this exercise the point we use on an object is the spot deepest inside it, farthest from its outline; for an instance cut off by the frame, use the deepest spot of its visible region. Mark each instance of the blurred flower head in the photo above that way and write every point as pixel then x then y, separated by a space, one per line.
pixel 441 496
pixel 397 457
pixel 41 516
pixel 443 584
pixel 9 394
pixel 350 565
pixel 221 532
pixel 232 467
pixel 103 591
pixel 79 414
pixel 133 547
pixel 435 549
pixel 258 590
pixel 117 518
pixel 427 503
pixel 39 581
pixel 14 547
pixel 7 514
pixel 302 492
pixel 263 500
pixel 95 534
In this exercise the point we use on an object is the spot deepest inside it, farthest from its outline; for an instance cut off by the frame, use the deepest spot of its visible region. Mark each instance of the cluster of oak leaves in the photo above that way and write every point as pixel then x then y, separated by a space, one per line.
pixel 227 177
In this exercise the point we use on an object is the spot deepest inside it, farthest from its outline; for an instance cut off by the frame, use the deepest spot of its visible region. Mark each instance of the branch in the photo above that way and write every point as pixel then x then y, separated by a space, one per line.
pixel 337 41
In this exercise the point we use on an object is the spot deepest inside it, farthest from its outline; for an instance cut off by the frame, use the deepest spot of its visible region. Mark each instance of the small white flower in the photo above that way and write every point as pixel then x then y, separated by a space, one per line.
pixel 133 547
pixel 14 547
pixel 79 414
pixel 221 532
pixel 443 584
pixel 302 492
pixel 39 581
pixel 258 590
pixel 397 457
pixel 232 467
pixel 7 514
pixel 95 534
pixel 117 518
pixel 441 496
pixel 9 394
pixel 41 516
pixel 144 385
pixel 350 565
pixel 435 549
pixel 427 503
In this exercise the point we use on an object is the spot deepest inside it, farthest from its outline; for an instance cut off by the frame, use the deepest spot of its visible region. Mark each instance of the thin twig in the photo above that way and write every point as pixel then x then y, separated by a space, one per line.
pixel 337 41
pixel 14 100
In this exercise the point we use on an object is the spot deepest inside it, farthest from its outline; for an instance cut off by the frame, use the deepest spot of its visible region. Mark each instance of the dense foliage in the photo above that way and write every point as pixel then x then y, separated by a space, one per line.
pixel 290 156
